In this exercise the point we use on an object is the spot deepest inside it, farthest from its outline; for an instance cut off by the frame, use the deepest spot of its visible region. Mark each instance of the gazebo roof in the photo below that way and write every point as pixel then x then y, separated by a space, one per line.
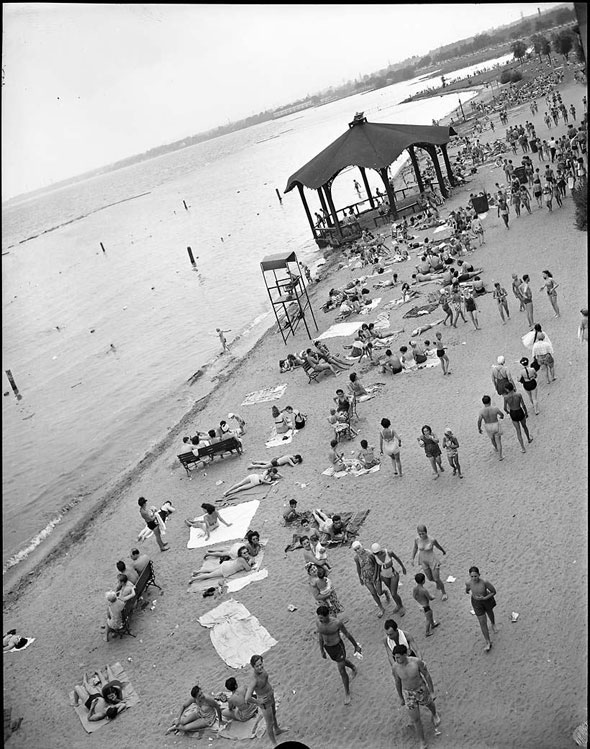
pixel 373 145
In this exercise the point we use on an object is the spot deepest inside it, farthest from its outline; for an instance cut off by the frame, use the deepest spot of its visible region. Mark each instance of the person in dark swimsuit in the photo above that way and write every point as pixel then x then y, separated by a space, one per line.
pixel 529 382
pixel 329 630
pixel 515 406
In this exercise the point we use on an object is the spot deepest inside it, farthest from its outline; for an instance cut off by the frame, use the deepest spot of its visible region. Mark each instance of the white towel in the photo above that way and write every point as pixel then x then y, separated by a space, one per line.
pixel 369 307
pixel 240 516
pixel 236 634
pixel 267 394
pixel 241 582
pixel 30 641
pixel 340 330
pixel 280 439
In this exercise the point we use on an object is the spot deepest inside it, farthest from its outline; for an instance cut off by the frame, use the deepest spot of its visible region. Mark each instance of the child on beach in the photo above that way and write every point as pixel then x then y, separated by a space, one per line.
pixel 423 597
pixel 451 444
pixel 240 422
pixel 583 327
pixel 366 455
pixel 442 353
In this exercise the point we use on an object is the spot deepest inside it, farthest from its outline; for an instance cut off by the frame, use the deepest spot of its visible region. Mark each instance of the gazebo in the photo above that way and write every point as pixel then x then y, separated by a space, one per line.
pixel 369 145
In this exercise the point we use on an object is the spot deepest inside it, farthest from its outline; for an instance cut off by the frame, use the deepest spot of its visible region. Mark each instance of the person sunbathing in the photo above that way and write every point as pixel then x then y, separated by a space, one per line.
pixel 254 479
pixel 284 460
pixel 210 520
pixel 317 365
pixel 325 355
pixel 290 515
pixel 355 386
pixel 242 563
pixel 12 640
pixel 421 277
pixel 385 284
pixel 102 697
pixel 251 541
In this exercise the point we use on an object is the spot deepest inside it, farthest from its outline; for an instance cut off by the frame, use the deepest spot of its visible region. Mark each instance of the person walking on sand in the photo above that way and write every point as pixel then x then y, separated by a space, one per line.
pixel 501 296
pixel 389 575
pixel 515 407
pixel 471 307
pixel 489 415
pixel 551 287
pixel 414 688
pixel 423 598
pixel 543 353
pixel 330 631
pixel 527 299
pixel 367 570
pixel 429 441
pixel 222 339
pixel 501 375
pixel 583 326
pixel 149 515
pixel 503 210
pixel 427 559
pixel 483 603
pixel 451 444
pixel 390 443
pixel 261 692
pixel 395 636
pixel 516 284
pixel 528 380
pixel 441 352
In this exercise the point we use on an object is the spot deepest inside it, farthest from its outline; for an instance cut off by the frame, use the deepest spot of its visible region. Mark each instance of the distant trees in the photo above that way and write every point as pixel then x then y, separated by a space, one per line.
pixel 518 50
pixel 562 43
pixel 425 61
pixel 539 43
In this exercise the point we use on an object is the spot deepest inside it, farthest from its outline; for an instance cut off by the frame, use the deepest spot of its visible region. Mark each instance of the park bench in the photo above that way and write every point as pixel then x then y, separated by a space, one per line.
pixel 146 579
pixel 229 445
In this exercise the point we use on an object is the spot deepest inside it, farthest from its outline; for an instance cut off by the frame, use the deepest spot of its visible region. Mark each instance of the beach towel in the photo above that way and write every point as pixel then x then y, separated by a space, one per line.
pixel 260 492
pixel 240 516
pixel 230 584
pixel 352 471
pixel 352 522
pixel 130 697
pixel 425 309
pixel 272 393
pixel 276 440
pixel 239 730
pixel 235 633
pixel 29 641
pixel 369 307
pixel 427 365
pixel 340 330
pixel 372 391
pixel 382 321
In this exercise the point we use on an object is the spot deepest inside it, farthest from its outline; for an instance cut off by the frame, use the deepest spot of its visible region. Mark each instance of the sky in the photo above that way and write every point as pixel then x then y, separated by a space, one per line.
pixel 84 85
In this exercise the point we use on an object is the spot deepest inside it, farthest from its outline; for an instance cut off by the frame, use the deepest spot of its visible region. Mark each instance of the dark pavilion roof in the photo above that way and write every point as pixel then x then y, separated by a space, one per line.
pixel 373 145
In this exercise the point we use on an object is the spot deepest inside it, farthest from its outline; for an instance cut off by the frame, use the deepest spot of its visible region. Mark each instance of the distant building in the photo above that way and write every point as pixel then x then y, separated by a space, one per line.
pixel 283 111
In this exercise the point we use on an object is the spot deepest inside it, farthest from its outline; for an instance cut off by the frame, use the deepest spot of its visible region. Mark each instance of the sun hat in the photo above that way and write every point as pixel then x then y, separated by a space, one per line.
pixel 375 548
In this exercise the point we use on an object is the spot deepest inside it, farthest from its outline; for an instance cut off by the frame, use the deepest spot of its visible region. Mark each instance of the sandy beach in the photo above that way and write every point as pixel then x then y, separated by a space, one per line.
pixel 522 521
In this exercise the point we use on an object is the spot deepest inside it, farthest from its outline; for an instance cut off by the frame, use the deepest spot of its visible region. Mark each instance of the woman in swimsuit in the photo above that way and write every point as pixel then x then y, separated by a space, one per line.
pixel 429 442
pixel 529 382
pixel 483 602
pixel 252 544
pixel 210 520
pixel 355 386
pixel 242 563
pixel 389 575
pixel 424 547
pixel 284 460
pixel 515 406
pixel 254 479
pixel 201 711
pixel 390 443
pixel 280 420
pixel 551 288
pixel 323 590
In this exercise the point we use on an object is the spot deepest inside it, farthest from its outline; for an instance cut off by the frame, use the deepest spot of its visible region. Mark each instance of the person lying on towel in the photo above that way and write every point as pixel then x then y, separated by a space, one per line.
pixel 242 563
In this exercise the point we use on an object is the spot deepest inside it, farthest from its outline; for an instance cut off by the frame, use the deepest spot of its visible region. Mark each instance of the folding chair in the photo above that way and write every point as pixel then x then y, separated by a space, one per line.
pixel 312 373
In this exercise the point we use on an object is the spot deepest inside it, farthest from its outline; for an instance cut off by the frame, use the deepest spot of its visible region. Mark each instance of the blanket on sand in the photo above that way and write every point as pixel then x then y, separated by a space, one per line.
pixel 231 584
pixel 275 440
pixel 425 309
pixel 240 516
pixel 130 697
pixel 340 330
pixel 352 471
pixel 271 393
pixel 352 522
pixel 235 633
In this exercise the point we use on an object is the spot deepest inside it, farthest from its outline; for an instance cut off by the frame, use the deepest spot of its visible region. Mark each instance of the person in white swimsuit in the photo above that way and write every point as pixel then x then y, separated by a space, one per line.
pixel 254 479
pixel 389 444
pixel 430 563
pixel 389 575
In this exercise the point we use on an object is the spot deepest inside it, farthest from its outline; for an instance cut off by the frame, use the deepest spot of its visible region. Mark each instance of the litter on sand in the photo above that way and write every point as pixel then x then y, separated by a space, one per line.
pixel 514 617
pixel 451 579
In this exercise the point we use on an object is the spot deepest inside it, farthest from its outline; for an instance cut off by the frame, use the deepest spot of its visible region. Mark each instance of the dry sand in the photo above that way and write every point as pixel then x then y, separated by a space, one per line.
pixel 523 521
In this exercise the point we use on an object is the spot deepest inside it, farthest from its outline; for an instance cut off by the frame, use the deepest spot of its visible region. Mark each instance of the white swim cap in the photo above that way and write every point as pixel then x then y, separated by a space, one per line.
pixel 448 430
pixel 356 545
pixel 375 548
pixel 501 360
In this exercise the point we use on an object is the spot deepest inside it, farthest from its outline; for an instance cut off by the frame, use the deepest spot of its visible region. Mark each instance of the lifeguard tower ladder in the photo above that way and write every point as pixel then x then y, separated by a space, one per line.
pixel 287 292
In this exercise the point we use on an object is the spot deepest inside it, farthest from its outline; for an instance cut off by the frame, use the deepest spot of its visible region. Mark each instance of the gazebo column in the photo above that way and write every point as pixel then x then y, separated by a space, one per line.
pixel 367 188
pixel 328 191
pixel 433 155
pixel 325 206
pixel 389 191
pixel 443 148
pixel 416 168
pixel 307 211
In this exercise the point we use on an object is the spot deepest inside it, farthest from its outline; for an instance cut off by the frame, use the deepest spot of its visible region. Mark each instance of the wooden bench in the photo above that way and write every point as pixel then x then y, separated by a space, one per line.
pixel 146 579
pixel 229 445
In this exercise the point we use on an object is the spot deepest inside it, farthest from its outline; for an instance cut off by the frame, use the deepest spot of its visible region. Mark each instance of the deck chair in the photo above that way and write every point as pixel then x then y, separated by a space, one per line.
pixel 312 373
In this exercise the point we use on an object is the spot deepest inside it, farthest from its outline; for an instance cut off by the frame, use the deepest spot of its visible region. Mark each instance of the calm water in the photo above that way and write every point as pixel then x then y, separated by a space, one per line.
pixel 90 411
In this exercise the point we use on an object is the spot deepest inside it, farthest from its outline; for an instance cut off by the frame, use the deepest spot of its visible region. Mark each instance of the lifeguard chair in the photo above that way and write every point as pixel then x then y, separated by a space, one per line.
pixel 287 292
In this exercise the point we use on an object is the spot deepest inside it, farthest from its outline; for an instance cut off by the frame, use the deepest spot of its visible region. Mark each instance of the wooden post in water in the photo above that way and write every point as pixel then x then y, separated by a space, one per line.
pixel 102 247
pixel 279 196
pixel 190 254
pixel 13 384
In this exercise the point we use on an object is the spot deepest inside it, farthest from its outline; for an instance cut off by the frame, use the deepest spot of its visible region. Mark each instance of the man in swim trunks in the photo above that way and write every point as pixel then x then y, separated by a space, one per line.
pixel 261 693
pixel 329 630
pixel 149 516
pixel 414 687
pixel 489 415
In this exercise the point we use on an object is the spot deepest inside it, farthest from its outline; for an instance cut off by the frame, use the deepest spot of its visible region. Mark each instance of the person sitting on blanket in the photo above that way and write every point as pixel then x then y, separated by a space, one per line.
pixel 366 455
pixel 242 563
pixel 419 352
pixel 280 420
pixel 99 704
pixel 337 459
pixel 254 479
pixel 407 357
pixel 201 711
pixel 237 707
pixel 295 418
pixel 375 334
pixel 290 515
pixel 210 521
pixel 317 365
pixel 309 556
pixel 251 542
pixel 355 386
pixel 284 460
pixel 360 348
pixel 391 363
